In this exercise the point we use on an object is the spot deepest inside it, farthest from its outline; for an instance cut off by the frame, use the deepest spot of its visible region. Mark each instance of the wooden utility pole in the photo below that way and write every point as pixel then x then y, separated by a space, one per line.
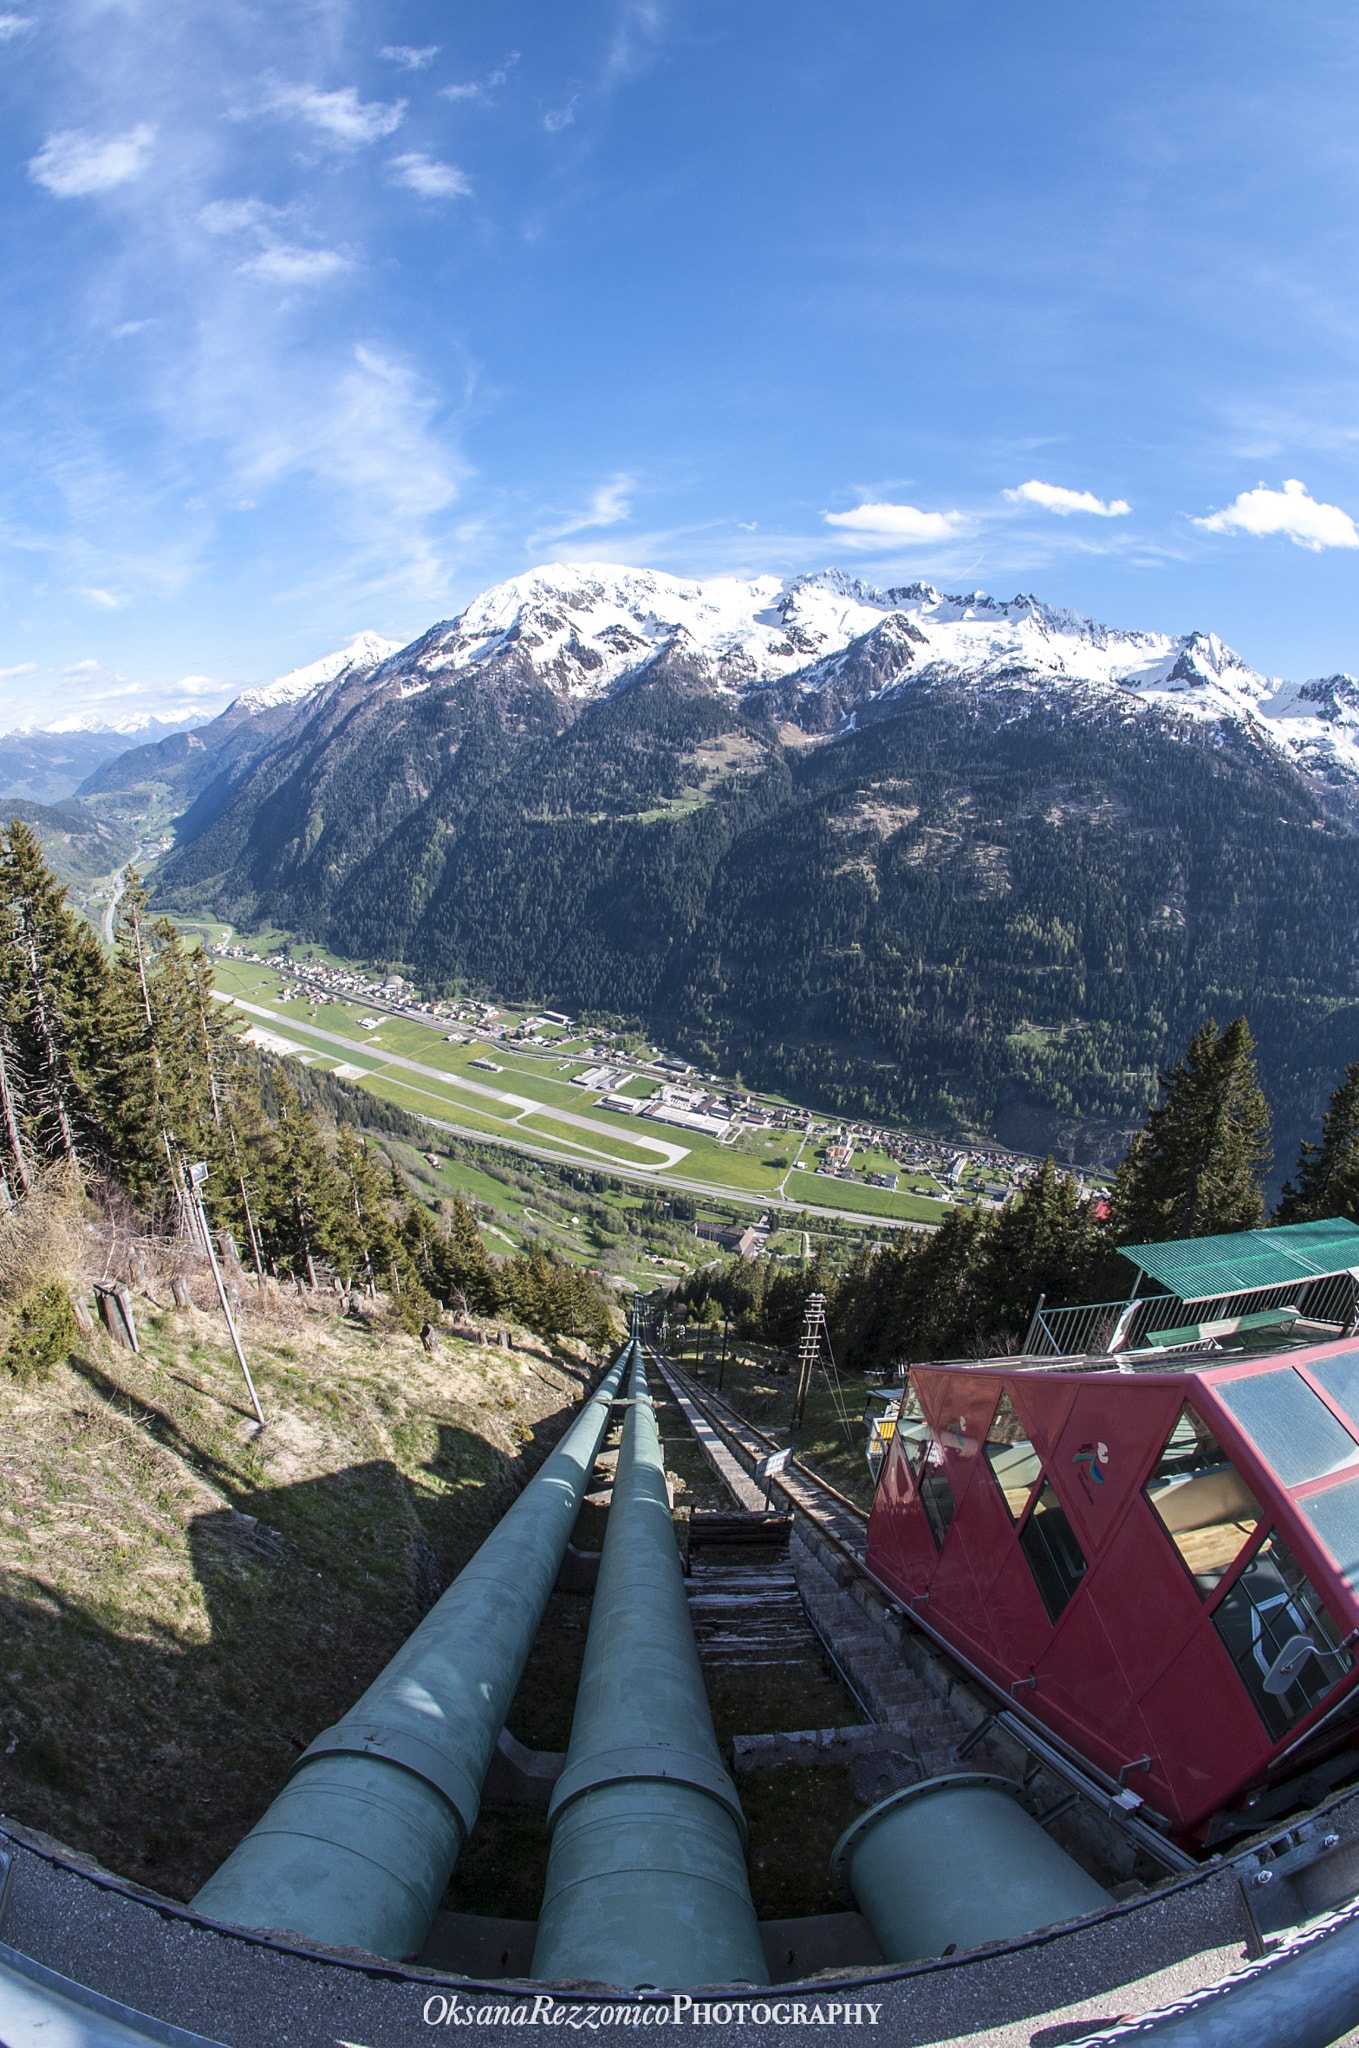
pixel 809 1352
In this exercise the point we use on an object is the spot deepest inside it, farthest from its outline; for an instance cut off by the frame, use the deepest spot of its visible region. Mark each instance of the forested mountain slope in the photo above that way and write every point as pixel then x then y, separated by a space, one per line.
pixel 942 857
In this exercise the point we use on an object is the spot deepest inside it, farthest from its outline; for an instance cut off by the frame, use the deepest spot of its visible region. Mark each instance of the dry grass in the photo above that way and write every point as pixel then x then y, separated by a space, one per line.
pixel 184 1603
pixel 40 1235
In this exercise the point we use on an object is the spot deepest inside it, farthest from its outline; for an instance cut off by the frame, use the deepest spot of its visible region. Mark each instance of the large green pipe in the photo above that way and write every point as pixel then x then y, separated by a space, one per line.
pixel 646 1880
pixel 955 1862
pixel 357 1848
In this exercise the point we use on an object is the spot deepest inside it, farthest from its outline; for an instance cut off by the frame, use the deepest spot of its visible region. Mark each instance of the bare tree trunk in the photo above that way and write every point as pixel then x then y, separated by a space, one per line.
pixel 12 1131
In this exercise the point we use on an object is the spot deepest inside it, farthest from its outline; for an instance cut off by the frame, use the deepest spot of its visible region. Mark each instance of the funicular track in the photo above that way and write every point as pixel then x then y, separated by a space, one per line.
pixel 806 1492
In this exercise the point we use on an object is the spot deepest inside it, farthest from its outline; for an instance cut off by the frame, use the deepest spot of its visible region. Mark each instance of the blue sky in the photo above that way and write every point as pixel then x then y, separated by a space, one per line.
pixel 325 316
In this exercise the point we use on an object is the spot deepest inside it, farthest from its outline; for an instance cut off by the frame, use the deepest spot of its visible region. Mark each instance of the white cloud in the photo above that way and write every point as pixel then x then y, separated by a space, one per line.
pixel 476 90
pixel 899 522
pixel 107 600
pixel 284 263
pixel 610 506
pixel 1291 511
pixel 341 115
pixel 407 58
pixel 633 47
pixel 235 216
pixel 82 668
pixel 13 25
pixel 431 179
pixel 71 164
pixel 557 118
pixel 25 668
pixel 1056 498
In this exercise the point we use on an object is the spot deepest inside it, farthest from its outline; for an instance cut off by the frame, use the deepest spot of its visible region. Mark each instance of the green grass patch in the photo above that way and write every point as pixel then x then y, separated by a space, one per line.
pixel 592 1141
pixel 845 1194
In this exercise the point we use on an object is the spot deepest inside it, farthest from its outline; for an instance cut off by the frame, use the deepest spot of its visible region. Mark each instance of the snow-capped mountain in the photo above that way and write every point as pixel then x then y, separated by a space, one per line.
pixel 133 724
pixel 364 651
pixel 830 645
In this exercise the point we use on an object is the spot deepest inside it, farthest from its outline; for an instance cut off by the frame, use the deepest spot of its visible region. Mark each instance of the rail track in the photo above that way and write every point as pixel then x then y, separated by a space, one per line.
pixel 806 1492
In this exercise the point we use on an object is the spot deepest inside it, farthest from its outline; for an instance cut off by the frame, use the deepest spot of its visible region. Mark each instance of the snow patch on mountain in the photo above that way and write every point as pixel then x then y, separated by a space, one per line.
pixel 365 651
pixel 132 724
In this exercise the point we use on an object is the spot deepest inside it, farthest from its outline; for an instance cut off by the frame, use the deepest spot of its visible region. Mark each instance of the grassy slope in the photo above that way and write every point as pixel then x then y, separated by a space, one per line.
pixel 165 1660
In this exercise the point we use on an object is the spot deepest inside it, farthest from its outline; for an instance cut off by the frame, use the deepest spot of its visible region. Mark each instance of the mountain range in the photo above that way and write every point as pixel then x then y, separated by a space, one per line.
pixel 45 763
pixel 977 862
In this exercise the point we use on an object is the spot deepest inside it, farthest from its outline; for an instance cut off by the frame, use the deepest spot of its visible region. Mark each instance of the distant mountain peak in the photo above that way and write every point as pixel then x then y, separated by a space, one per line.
pixel 365 651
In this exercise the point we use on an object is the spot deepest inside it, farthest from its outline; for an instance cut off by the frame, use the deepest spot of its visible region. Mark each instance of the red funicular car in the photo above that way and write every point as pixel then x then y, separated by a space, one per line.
pixel 1155 1549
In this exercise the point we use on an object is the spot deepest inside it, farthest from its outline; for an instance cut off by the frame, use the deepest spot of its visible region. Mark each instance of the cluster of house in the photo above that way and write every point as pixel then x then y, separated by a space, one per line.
pixel 316 981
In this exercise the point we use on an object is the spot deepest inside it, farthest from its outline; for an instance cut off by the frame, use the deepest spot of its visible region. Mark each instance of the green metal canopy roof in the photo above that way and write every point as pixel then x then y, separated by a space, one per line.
pixel 1202 1268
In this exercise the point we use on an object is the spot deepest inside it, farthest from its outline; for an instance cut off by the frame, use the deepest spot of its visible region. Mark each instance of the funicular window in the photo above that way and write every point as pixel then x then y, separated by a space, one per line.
pixel 1203 1503
pixel 1291 1427
pixel 1013 1460
pixel 1280 1637
pixel 926 1462
pixel 936 1495
pixel 1055 1557
pixel 912 1428
pixel 1340 1377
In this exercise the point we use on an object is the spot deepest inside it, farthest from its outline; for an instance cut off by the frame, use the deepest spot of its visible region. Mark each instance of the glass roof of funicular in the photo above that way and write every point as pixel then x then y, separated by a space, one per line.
pixel 1243 1262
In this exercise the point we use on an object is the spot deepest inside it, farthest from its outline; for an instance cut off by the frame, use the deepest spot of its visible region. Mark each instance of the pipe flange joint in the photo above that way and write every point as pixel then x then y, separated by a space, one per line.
pixel 842 1855
pixel 409 1752
pixel 652 1760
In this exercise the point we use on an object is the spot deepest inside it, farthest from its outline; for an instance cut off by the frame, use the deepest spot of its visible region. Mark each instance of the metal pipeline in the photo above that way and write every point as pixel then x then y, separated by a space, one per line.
pixel 956 1862
pixel 357 1848
pixel 646 1880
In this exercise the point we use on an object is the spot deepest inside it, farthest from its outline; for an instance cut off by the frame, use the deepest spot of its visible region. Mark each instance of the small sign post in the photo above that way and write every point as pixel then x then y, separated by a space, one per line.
pixel 768 1469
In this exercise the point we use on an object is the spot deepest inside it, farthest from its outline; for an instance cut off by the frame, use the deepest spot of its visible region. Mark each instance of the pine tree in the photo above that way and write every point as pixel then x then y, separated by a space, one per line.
pixel 137 1089
pixel 366 1228
pixel 52 985
pixel 453 1263
pixel 304 1216
pixel 1194 1169
pixel 1043 1242
pixel 1327 1176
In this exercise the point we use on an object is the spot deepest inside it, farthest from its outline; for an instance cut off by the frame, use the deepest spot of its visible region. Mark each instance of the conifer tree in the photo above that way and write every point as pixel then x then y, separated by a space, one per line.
pixel 1043 1242
pixel 366 1227
pixel 138 1090
pixel 52 984
pixel 305 1216
pixel 1326 1181
pixel 1194 1168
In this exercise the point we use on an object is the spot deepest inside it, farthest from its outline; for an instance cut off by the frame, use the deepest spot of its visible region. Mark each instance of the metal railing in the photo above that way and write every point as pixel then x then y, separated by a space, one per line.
pixel 1091 1327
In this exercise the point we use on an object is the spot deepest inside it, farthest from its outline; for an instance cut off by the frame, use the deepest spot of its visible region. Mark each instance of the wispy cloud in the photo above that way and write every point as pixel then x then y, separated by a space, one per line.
pixel 341 116
pixel 478 88
pixel 107 600
pixel 285 263
pixel 557 118
pixel 1056 498
pixel 235 216
pixel 23 668
pixel 1292 511
pixel 867 523
pixel 610 505
pixel 14 25
pixel 276 260
pixel 632 48
pixel 407 58
pixel 82 668
pixel 72 164
pixel 430 178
